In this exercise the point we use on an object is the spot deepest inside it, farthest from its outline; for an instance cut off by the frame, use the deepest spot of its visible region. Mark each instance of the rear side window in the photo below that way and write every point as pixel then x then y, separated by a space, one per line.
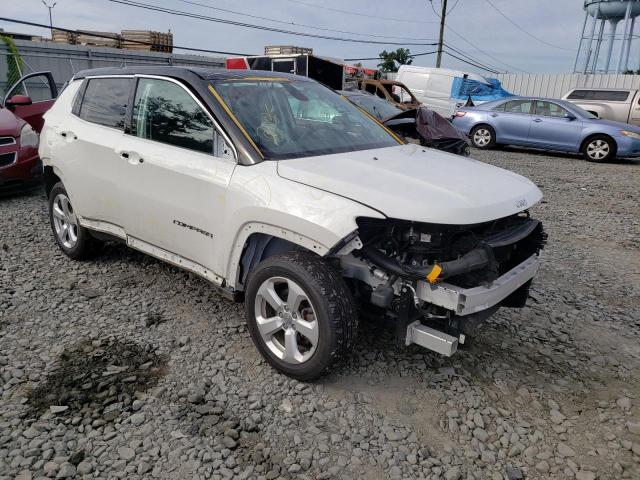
pixel 165 112
pixel 606 95
pixel 515 106
pixel 105 101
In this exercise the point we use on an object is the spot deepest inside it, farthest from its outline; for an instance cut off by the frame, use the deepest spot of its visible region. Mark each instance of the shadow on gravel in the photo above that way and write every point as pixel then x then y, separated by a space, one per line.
pixel 99 377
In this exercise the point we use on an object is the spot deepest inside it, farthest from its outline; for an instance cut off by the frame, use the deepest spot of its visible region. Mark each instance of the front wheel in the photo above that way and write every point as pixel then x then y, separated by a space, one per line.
pixel 300 314
pixel 599 149
pixel 483 137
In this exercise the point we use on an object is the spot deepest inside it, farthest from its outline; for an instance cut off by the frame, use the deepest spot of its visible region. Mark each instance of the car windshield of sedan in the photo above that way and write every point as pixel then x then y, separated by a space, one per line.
pixel 377 107
pixel 582 112
pixel 292 119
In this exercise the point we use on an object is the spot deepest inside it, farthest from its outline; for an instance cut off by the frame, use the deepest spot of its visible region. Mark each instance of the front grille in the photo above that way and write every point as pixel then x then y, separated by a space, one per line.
pixel 7 159
pixel 7 141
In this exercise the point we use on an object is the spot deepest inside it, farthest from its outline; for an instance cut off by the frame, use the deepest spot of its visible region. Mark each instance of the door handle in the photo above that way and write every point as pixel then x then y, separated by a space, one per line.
pixel 537 120
pixel 494 114
pixel 124 154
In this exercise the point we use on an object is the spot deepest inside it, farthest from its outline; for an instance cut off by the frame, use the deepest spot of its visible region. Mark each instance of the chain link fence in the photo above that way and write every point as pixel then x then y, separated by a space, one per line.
pixel 14 66
pixel 20 57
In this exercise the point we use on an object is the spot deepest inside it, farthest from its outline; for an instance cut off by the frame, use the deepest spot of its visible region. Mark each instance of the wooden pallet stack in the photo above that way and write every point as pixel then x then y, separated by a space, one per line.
pixel 147 40
pixel 286 50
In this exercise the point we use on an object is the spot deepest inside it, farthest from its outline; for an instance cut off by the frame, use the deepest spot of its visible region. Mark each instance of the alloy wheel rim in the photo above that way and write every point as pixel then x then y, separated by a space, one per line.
pixel 286 320
pixel 598 149
pixel 482 137
pixel 65 221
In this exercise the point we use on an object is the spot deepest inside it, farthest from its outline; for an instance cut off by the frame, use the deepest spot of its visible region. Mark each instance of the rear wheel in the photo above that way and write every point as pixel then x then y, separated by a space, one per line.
pixel 73 239
pixel 483 136
pixel 300 314
pixel 599 149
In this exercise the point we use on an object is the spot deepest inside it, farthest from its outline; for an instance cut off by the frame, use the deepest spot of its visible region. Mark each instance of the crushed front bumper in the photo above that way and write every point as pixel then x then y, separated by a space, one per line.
pixel 465 301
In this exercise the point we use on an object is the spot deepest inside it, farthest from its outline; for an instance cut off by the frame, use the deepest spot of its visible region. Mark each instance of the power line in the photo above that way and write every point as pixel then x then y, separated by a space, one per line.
pixel 525 31
pixel 470 63
pixel 486 66
pixel 483 51
pixel 234 12
pixel 378 58
pixel 93 34
pixel 472 44
pixel 359 14
pixel 182 13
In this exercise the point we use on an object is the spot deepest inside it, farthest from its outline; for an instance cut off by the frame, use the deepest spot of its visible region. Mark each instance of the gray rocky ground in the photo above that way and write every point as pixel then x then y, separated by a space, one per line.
pixel 124 367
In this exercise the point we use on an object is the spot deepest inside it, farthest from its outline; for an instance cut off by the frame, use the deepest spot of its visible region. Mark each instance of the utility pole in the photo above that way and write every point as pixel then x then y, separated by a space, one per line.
pixel 441 39
pixel 50 7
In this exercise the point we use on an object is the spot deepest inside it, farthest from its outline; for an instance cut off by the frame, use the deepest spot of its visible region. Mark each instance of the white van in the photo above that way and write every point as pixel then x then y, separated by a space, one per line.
pixel 433 86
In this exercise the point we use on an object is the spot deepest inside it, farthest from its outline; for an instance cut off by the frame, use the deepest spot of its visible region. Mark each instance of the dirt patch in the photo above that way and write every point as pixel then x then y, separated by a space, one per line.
pixel 101 376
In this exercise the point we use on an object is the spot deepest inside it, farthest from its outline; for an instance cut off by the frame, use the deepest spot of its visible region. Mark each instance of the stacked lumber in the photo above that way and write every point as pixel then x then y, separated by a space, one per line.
pixel 286 50
pixel 147 40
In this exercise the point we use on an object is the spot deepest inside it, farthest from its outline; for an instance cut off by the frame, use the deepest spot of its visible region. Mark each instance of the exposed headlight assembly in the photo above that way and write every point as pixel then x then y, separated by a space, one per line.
pixel 29 137
pixel 627 133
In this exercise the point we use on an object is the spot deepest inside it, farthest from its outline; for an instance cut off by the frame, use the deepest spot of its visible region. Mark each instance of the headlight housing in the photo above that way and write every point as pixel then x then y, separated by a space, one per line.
pixel 28 137
pixel 627 133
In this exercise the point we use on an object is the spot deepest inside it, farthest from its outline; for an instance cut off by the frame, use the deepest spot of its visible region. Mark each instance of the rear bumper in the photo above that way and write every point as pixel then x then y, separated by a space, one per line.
pixel 465 301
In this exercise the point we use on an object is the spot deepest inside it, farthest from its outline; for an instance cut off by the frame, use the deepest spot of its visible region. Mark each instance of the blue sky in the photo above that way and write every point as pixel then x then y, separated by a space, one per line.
pixel 487 36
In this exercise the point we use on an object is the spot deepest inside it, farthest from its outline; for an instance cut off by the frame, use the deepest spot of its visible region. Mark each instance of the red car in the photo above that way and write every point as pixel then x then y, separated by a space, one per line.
pixel 20 124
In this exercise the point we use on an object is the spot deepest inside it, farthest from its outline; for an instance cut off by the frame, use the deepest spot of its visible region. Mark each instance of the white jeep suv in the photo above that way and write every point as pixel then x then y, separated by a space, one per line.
pixel 280 192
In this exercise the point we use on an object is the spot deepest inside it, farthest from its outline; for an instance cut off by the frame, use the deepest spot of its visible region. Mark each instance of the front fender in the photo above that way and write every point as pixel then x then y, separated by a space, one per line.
pixel 264 202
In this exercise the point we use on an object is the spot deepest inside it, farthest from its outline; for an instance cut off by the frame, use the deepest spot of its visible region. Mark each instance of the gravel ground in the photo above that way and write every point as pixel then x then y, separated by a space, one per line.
pixel 124 367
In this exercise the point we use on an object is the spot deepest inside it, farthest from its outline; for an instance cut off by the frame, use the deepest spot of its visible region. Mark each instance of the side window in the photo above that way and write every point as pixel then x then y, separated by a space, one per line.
pixel 499 108
pixel 38 87
pixel 548 109
pixel 166 113
pixel 518 106
pixel 604 95
pixel 105 101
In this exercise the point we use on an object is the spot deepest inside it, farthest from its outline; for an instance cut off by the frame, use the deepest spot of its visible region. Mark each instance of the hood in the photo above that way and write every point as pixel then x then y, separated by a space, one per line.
pixel 10 125
pixel 411 182
pixel 614 124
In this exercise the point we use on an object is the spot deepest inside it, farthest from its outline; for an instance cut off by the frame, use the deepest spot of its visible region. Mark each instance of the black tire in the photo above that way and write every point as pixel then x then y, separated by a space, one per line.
pixel 599 148
pixel 84 244
pixel 330 300
pixel 483 137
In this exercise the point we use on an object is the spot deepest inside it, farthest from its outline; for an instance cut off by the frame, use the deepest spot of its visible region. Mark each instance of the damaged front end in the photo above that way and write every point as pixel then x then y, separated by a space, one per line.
pixel 440 281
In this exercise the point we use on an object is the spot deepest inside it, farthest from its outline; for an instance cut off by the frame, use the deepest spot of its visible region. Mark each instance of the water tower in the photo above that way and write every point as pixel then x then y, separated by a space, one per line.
pixel 593 36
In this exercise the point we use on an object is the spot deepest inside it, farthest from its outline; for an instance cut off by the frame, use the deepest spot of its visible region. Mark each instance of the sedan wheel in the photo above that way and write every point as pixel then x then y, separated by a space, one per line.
pixel 483 137
pixel 65 223
pixel 286 320
pixel 598 150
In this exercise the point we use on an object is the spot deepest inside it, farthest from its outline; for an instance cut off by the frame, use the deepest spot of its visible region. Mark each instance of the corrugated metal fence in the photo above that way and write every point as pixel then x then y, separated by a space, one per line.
pixel 556 85
pixel 65 60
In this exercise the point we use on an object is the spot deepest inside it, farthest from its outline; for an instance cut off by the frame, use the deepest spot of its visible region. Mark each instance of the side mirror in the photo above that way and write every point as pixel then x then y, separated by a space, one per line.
pixel 568 116
pixel 18 100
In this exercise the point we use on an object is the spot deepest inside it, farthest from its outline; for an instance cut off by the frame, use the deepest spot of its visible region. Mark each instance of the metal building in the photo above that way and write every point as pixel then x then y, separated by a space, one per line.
pixel 590 57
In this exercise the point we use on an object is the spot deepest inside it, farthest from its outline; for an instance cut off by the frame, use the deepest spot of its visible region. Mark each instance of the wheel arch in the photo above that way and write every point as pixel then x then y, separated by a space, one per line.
pixel 484 123
pixel 591 136
pixel 51 177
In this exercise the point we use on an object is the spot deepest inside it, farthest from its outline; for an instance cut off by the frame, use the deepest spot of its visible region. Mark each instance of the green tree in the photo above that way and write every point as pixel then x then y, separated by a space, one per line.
pixel 391 60
pixel 14 62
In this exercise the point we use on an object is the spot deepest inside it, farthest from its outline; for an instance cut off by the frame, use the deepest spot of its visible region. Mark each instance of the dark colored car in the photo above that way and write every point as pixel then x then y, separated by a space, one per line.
pixel 420 124
pixel 391 91
pixel 20 124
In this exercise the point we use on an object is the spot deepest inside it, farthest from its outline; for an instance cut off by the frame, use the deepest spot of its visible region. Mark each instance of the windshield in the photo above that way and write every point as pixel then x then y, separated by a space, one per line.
pixel 580 111
pixel 377 107
pixel 293 119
